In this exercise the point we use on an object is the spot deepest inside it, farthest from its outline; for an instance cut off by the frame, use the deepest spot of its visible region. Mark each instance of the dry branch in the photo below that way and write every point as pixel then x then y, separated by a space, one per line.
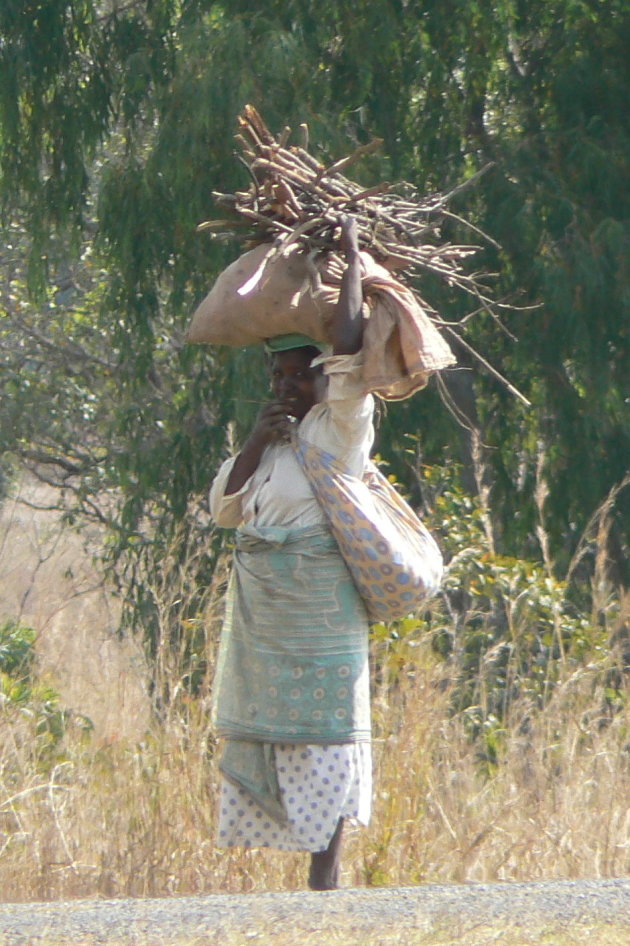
pixel 291 188
pixel 294 198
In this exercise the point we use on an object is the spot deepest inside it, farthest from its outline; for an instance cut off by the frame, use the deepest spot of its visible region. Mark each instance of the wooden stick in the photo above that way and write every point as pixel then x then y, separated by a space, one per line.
pixel 299 199
pixel 486 364
pixel 359 152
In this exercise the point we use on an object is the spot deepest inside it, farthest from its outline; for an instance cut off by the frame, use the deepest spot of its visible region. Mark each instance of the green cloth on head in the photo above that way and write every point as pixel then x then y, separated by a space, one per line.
pixel 291 340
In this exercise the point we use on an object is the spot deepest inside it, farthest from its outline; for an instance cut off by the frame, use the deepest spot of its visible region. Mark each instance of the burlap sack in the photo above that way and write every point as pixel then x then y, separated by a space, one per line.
pixel 402 348
pixel 281 301
pixel 251 301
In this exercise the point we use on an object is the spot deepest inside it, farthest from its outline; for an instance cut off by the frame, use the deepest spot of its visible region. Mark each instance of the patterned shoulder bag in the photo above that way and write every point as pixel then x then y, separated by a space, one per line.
pixel 393 559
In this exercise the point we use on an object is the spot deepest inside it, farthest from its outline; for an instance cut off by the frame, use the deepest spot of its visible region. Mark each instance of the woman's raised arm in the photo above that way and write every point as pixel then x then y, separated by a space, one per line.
pixel 347 323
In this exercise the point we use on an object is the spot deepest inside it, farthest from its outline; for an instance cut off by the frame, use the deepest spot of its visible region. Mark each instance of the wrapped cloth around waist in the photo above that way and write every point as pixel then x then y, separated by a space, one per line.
pixel 293 541
pixel 293 657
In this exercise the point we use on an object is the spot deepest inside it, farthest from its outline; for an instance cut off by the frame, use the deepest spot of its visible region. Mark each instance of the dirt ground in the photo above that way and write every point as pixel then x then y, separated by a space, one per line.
pixel 565 913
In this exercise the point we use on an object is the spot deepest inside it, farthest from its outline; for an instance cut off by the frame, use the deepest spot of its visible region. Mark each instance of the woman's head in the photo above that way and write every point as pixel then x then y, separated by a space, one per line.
pixel 294 381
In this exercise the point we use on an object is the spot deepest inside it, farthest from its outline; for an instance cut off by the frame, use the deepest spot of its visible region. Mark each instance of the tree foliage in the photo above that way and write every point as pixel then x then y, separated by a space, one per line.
pixel 116 124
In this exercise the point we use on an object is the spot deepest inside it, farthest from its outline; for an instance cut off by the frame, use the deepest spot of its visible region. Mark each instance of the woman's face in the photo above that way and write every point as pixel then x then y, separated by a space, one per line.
pixel 294 382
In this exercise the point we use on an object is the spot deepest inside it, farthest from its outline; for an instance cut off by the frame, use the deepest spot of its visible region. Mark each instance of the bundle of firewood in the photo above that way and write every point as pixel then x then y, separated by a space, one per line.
pixel 294 200
pixel 293 197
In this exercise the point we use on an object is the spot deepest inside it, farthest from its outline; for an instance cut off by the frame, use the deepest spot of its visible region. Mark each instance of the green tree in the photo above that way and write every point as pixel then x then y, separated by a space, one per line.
pixel 116 124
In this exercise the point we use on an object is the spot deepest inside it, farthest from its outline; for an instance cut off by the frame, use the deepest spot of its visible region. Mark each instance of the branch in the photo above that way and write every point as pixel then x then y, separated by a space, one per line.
pixel 486 364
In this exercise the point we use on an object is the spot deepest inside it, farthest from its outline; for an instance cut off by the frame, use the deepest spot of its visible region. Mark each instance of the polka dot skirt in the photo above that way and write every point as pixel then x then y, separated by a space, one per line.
pixel 319 785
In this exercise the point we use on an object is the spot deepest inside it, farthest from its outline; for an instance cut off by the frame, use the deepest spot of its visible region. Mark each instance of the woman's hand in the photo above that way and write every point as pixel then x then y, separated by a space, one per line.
pixel 272 425
pixel 347 321
pixel 349 236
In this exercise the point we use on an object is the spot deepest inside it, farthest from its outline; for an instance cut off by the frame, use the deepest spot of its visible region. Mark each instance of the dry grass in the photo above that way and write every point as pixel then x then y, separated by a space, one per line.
pixel 116 816
pixel 486 935
pixel 600 934
pixel 123 819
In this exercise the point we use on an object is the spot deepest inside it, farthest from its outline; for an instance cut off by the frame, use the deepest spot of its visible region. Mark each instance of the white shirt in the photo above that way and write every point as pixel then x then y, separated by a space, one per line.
pixel 278 493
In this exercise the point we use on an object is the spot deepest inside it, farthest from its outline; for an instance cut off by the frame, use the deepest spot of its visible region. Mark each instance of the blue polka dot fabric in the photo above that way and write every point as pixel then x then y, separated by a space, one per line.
pixel 392 557
pixel 318 785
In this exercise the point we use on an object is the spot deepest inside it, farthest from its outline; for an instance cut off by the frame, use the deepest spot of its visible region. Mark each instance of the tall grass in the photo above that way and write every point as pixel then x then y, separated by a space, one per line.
pixel 529 784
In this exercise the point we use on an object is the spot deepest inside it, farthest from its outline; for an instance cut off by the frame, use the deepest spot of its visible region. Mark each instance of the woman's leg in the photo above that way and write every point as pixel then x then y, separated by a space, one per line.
pixel 325 865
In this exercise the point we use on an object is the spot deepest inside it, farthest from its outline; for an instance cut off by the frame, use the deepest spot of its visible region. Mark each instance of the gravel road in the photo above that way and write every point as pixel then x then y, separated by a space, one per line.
pixel 220 918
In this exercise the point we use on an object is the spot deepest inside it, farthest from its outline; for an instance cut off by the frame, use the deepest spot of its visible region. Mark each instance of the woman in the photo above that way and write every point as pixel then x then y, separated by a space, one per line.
pixel 292 692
